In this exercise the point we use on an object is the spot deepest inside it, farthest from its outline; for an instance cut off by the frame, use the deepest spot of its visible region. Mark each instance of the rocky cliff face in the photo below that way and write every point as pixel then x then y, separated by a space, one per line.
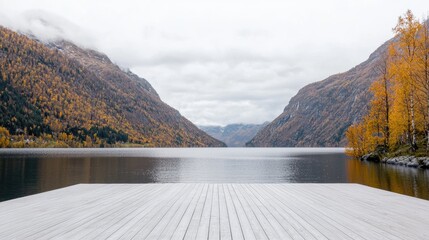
pixel 320 113
pixel 59 87
pixel 234 135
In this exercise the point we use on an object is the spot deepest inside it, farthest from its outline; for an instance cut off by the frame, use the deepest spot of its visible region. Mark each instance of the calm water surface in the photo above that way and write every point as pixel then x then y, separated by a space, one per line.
pixel 29 171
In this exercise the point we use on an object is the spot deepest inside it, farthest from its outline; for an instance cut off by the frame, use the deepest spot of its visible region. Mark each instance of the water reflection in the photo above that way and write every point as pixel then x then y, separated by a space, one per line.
pixel 319 168
pixel 34 171
pixel 404 180
pixel 21 176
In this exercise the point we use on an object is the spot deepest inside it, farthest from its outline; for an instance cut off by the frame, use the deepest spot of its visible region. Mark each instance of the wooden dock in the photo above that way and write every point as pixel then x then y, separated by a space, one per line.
pixel 215 211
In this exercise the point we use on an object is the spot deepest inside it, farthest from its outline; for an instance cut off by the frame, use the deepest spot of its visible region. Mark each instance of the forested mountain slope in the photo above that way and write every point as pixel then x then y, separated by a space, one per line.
pixel 61 90
pixel 320 113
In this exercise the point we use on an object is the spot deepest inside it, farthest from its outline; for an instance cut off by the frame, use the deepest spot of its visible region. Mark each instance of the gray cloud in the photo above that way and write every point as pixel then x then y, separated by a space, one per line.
pixel 48 26
pixel 219 62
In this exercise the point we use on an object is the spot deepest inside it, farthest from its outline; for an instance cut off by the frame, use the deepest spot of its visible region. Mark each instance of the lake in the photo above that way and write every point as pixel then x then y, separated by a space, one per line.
pixel 28 171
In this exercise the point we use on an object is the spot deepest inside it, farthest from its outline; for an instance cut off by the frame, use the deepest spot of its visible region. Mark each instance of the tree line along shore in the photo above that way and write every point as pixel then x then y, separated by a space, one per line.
pixel 395 129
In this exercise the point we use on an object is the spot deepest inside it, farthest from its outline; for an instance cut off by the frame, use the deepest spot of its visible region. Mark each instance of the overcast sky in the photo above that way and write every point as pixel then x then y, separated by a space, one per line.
pixel 220 62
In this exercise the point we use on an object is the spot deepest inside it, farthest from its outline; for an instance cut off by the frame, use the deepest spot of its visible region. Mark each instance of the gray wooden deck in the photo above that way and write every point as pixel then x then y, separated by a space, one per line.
pixel 215 211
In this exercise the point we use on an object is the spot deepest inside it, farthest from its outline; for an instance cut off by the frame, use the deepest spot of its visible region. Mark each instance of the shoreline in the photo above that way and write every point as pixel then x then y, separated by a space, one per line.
pixel 406 161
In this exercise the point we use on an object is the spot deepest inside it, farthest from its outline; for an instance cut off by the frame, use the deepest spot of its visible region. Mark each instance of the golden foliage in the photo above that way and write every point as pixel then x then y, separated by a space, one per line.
pixel 357 143
pixel 399 111
pixel 4 137
pixel 66 92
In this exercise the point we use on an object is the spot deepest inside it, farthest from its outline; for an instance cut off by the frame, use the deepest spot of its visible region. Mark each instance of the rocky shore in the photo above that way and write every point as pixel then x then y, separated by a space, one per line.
pixel 407 161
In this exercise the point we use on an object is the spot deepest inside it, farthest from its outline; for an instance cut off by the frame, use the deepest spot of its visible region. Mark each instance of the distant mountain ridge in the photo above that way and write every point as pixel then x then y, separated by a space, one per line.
pixel 234 135
pixel 60 88
pixel 320 113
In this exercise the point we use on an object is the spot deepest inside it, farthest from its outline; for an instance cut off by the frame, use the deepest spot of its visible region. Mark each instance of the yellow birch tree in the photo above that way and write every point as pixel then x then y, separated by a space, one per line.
pixel 405 63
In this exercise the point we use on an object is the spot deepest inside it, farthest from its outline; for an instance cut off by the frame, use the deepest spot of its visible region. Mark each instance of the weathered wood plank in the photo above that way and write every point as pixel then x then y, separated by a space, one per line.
pixel 289 218
pixel 115 223
pixel 173 226
pixel 225 224
pixel 184 223
pixel 282 226
pixel 380 217
pixel 177 208
pixel 133 225
pixel 242 216
pixel 203 227
pixel 215 211
pixel 214 228
pixel 261 227
pixel 92 219
pixel 234 220
pixel 194 223
pixel 53 215
pixel 333 210
pixel 147 222
pixel 327 226
pixel 336 218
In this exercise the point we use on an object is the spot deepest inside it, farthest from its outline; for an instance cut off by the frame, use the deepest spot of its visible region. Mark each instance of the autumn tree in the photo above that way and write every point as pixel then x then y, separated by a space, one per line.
pixel 358 142
pixel 381 103
pixel 374 130
pixel 405 62
pixel 423 74
pixel 399 110
pixel 4 137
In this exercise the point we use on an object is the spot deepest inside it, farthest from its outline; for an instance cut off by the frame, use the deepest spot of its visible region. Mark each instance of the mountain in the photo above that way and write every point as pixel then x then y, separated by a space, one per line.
pixel 234 135
pixel 320 113
pixel 60 89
